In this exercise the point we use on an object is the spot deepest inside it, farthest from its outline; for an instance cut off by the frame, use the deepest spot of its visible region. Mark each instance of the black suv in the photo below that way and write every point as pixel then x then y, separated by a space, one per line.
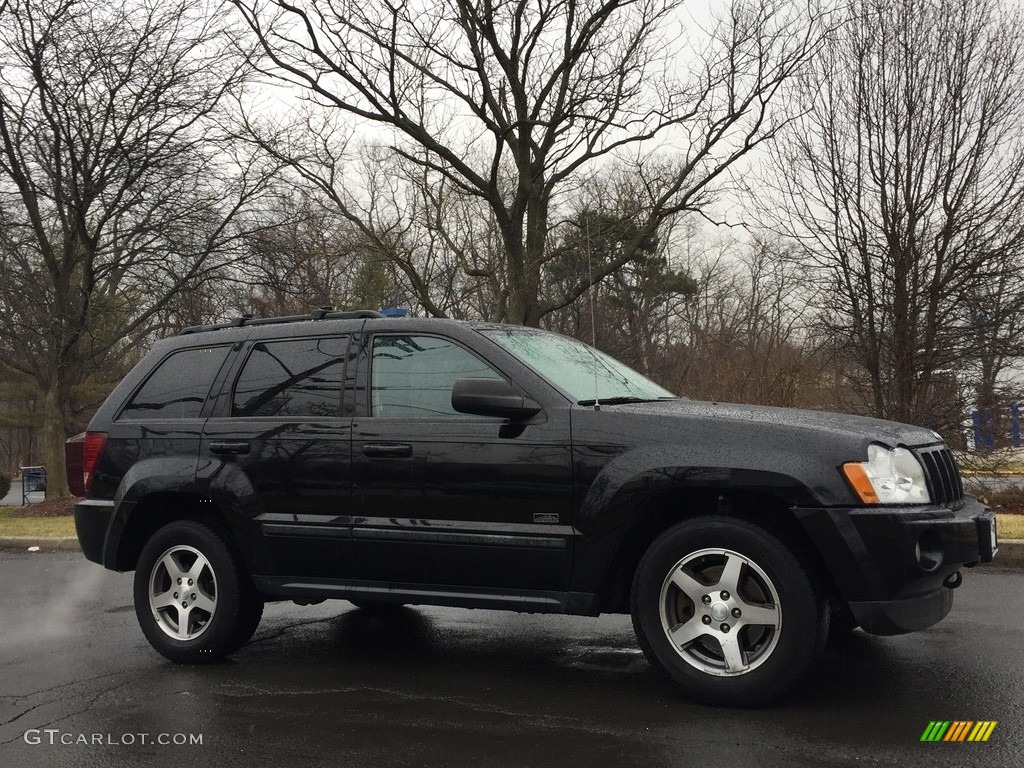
pixel 390 461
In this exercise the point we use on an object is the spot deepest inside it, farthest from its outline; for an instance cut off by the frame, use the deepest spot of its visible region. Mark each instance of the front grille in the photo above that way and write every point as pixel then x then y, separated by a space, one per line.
pixel 944 484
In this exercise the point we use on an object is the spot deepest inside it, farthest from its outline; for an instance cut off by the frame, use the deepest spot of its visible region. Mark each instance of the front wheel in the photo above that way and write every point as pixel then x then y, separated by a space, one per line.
pixel 192 598
pixel 727 610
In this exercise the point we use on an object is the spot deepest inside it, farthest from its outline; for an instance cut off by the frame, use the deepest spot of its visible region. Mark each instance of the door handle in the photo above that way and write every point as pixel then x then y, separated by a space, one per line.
pixel 236 449
pixel 387 450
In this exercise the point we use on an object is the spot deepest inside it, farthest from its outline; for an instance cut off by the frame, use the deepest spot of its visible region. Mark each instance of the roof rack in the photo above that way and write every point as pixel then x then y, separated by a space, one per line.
pixel 321 313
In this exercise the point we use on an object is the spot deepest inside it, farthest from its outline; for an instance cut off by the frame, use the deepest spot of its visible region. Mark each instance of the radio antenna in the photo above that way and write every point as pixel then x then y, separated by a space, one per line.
pixel 593 314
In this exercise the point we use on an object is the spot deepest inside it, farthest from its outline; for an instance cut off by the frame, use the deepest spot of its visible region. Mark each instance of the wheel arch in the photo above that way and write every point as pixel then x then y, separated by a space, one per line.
pixel 158 509
pixel 155 510
pixel 662 509
pixel 156 492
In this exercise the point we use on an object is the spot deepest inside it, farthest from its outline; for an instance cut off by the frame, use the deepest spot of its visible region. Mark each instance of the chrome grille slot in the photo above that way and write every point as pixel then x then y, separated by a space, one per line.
pixel 942 475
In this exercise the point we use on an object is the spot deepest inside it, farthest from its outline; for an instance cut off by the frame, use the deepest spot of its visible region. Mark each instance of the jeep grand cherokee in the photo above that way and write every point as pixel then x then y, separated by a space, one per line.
pixel 422 461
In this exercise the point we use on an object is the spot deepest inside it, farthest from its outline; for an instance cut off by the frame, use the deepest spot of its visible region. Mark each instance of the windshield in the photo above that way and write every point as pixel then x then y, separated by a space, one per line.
pixel 585 374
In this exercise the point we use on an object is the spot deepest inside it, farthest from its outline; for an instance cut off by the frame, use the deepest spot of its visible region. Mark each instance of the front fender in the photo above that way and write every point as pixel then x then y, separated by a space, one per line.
pixel 614 502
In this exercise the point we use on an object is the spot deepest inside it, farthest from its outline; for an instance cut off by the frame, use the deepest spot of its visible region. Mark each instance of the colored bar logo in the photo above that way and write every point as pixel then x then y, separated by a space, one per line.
pixel 958 730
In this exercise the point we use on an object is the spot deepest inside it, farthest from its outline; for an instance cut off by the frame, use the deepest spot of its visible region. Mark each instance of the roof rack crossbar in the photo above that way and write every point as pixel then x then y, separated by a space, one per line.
pixel 321 313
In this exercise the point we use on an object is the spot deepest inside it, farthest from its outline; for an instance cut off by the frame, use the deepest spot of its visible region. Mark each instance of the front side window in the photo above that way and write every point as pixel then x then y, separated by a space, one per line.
pixel 300 378
pixel 178 387
pixel 414 375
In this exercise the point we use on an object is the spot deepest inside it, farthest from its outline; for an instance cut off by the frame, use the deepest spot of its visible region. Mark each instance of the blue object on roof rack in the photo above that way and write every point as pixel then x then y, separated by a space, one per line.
pixel 394 311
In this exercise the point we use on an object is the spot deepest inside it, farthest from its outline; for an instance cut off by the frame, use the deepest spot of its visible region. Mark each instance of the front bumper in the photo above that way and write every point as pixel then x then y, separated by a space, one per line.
pixel 890 563
pixel 897 617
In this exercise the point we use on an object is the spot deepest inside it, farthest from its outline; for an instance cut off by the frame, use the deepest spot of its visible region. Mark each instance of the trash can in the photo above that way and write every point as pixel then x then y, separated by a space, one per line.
pixel 33 480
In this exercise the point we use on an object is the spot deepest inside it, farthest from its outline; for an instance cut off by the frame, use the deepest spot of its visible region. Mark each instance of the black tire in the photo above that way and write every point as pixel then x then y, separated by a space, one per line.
pixel 767 656
pixel 249 618
pixel 841 623
pixel 223 609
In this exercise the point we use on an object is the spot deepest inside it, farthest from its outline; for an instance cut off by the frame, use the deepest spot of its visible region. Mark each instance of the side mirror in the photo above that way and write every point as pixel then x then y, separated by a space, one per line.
pixel 491 397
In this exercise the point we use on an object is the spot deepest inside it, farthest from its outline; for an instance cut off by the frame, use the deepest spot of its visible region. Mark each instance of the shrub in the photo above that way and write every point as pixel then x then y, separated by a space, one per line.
pixel 1008 499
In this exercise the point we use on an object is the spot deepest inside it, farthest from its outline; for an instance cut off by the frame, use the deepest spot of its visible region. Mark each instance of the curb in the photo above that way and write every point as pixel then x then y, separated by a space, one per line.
pixel 1011 551
pixel 45 543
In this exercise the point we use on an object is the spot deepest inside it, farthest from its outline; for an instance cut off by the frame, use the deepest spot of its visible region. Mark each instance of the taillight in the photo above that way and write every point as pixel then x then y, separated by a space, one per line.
pixel 94 442
pixel 82 453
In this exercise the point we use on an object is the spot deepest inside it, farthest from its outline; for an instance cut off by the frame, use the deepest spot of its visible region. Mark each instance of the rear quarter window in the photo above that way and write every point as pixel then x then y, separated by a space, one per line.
pixel 178 387
pixel 293 379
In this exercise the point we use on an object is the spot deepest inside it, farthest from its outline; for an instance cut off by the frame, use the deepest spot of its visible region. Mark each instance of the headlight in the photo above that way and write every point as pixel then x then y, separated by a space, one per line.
pixel 889 476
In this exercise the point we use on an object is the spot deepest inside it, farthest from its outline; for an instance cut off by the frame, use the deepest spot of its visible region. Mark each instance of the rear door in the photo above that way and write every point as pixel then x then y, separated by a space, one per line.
pixel 285 431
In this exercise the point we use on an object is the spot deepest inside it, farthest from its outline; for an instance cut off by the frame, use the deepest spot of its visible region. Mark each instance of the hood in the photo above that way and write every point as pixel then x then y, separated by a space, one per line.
pixel 842 425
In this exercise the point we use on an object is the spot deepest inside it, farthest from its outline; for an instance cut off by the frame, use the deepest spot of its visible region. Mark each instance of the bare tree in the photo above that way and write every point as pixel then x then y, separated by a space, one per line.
pixel 905 184
pixel 514 104
pixel 744 335
pixel 18 420
pixel 301 260
pixel 118 188
pixel 995 309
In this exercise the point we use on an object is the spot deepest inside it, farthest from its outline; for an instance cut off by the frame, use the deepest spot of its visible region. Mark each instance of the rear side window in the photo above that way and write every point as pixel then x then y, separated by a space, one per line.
pixel 302 378
pixel 414 375
pixel 178 387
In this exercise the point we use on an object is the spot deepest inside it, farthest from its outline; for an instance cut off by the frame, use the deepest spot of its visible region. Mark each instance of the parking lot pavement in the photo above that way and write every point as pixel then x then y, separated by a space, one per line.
pixel 333 685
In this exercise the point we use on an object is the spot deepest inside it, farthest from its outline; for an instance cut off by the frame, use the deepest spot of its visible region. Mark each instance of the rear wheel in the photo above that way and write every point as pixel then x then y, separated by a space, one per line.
pixel 727 610
pixel 192 598
pixel 249 619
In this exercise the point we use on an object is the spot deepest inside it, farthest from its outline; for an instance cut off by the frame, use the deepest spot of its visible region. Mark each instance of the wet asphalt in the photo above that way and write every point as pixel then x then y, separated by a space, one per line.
pixel 334 685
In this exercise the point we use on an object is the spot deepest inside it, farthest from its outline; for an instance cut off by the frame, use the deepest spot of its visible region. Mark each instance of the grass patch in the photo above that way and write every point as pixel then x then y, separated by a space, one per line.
pixel 34 526
pixel 1010 526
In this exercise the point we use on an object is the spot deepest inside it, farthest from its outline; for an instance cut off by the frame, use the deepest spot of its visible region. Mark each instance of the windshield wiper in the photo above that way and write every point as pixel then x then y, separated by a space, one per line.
pixel 622 399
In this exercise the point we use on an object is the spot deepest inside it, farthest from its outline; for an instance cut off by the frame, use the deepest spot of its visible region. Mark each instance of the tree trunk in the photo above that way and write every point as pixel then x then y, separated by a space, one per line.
pixel 54 399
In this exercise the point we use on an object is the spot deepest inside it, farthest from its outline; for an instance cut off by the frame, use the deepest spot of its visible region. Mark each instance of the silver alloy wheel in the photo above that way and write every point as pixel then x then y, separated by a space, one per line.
pixel 720 612
pixel 183 592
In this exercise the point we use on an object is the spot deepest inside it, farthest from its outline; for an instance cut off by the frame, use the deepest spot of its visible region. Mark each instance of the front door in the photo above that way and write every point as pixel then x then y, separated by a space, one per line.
pixel 445 498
